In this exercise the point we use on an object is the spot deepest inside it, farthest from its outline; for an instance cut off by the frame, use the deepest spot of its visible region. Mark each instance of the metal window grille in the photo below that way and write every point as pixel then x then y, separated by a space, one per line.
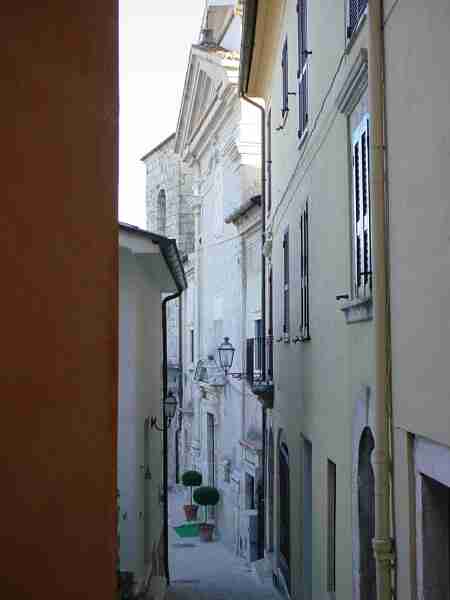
pixel 286 283
pixel 285 79
pixel 304 274
pixel 302 72
pixel 355 9
pixel 331 529
pixel 362 251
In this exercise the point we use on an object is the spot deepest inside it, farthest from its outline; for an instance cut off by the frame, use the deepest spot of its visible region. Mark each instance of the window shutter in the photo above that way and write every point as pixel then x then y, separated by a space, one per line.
pixel 269 160
pixel 304 275
pixel 361 212
pixel 286 283
pixel 302 66
pixel 285 71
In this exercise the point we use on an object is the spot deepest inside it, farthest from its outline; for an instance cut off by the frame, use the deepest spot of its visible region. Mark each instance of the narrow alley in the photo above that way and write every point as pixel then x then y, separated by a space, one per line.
pixel 209 571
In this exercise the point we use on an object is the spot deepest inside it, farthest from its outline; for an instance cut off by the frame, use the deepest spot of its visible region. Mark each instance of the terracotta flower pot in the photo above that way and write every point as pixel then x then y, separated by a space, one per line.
pixel 190 510
pixel 206 531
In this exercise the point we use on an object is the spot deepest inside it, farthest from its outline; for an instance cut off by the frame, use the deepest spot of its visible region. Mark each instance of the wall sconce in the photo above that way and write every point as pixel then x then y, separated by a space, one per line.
pixel 226 355
pixel 170 408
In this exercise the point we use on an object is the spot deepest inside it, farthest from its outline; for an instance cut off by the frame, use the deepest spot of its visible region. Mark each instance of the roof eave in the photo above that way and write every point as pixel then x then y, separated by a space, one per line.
pixel 247 43
pixel 169 250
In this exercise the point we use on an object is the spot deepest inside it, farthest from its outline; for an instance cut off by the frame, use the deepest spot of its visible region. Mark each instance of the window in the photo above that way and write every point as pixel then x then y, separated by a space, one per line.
pixel 270 332
pixel 304 275
pixel 285 80
pixel 210 444
pixel 331 530
pixel 302 72
pixel 362 252
pixel 161 212
pixel 286 284
pixel 269 160
pixel 259 347
pixel 192 344
pixel 249 492
pixel 355 10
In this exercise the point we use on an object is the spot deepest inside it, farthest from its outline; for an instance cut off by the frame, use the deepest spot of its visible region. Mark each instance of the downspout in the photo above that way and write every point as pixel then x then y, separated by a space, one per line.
pixel 382 543
pixel 165 444
pixel 263 308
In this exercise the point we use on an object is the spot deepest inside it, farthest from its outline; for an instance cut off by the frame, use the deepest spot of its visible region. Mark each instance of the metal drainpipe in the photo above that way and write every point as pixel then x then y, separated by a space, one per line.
pixel 165 445
pixel 263 298
pixel 382 543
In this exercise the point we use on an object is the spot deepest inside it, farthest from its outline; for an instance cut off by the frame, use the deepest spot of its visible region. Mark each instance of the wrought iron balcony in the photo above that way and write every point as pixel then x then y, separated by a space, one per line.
pixel 257 349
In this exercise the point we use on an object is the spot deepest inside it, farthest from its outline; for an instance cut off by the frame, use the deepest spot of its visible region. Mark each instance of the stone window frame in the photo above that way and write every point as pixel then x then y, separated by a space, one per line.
pixel 355 84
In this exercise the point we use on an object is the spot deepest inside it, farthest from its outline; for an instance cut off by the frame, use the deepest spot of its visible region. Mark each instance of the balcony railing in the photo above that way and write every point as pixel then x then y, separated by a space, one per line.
pixel 256 347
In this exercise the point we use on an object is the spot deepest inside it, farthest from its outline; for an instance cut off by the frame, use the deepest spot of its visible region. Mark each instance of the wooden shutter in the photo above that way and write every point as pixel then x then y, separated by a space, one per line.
pixel 286 283
pixel 302 72
pixel 285 80
pixel 361 211
pixel 304 274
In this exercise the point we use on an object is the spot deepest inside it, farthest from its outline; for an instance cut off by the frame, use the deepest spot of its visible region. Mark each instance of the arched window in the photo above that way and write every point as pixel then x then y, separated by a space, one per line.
pixel 366 514
pixel 284 511
pixel 161 212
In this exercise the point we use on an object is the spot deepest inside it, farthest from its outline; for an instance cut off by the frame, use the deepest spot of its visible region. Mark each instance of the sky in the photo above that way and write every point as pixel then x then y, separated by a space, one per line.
pixel 154 43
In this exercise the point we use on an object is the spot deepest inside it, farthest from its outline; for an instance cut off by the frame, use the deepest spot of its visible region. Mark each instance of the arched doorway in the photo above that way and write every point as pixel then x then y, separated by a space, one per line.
pixel 366 516
pixel 284 511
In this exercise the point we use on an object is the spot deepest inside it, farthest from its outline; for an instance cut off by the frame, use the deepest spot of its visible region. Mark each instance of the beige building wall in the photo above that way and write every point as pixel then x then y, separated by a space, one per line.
pixel 418 147
pixel 324 388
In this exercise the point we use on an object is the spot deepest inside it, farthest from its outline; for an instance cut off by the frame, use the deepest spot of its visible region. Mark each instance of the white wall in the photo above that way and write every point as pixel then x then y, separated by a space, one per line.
pixel 139 397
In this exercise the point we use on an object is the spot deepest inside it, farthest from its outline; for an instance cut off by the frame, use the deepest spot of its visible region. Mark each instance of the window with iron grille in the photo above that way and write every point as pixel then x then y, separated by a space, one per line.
pixel 362 248
pixel 302 72
pixel 286 283
pixel 285 79
pixel 355 10
pixel 304 274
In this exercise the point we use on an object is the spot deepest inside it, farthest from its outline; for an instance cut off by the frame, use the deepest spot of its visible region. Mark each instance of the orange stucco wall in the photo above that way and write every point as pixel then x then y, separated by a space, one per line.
pixel 58 300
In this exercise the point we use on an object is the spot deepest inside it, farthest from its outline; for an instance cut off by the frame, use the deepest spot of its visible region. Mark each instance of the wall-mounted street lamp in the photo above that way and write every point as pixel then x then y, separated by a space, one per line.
pixel 170 408
pixel 226 355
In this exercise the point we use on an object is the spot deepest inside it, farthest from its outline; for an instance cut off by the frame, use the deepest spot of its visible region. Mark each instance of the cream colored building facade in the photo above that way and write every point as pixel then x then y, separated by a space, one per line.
pixel 310 62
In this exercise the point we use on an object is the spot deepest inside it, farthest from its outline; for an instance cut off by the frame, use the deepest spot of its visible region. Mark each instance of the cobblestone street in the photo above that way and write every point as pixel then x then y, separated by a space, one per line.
pixel 208 571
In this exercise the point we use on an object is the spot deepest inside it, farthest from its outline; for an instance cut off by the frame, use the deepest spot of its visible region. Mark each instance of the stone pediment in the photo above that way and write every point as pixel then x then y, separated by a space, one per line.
pixel 210 81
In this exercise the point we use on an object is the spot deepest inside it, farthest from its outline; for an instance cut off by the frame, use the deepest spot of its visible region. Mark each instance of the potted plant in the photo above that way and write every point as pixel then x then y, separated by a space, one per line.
pixel 191 479
pixel 206 496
